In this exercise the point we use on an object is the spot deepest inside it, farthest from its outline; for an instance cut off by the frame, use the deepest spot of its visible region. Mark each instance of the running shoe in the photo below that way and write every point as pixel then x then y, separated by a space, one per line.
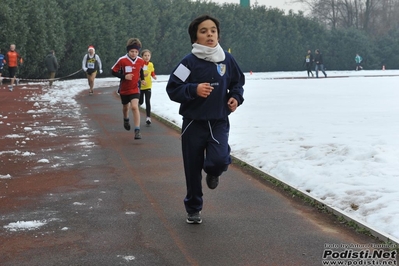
pixel 126 124
pixel 212 181
pixel 137 134
pixel 194 218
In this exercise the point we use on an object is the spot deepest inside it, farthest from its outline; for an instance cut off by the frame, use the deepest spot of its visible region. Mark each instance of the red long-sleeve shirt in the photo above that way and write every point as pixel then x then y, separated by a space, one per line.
pixel 12 58
pixel 126 65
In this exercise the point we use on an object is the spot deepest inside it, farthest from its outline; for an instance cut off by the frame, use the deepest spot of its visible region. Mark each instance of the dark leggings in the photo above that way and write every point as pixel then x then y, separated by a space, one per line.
pixel 147 94
pixel 309 69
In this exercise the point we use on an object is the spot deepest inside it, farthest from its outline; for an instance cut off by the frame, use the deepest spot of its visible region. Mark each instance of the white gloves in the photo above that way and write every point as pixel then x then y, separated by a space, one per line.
pixel 85 69
pixel 101 71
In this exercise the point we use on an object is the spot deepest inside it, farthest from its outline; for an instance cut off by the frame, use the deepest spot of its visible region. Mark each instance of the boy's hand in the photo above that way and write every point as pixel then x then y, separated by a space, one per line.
pixel 233 104
pixel 143 82
pixel 129 76
pixel 204 90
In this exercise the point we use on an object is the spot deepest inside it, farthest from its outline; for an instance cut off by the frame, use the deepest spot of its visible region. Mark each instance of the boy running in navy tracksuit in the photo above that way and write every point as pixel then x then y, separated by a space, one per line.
pixel 208 84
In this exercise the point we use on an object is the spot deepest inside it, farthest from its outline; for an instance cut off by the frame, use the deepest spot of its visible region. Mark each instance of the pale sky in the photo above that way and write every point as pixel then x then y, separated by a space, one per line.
pixel 282 4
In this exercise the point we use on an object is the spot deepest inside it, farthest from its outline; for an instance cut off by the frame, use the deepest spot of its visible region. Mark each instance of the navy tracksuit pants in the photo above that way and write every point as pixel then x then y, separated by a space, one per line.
pixel 205 147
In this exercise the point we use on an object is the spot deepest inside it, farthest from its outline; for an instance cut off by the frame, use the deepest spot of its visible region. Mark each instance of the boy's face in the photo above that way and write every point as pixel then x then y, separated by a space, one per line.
pixel 147 56
pixel 207 34
pixel 133 53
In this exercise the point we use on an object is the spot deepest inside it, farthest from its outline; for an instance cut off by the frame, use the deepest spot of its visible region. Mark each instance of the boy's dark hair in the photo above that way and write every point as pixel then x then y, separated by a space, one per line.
pixel 133 43
pixel 193 28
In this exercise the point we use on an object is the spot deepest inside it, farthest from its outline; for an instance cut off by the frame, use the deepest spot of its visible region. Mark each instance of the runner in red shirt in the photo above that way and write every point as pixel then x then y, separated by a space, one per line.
pixel 12 59
pixel 129 69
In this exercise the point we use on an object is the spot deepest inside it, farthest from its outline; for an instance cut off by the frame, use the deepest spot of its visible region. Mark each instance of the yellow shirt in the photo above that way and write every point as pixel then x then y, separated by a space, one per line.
pixel 149 72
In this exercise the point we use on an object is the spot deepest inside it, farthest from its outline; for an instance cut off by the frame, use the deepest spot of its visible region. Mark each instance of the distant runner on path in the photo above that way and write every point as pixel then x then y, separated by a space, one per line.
pixel 90 63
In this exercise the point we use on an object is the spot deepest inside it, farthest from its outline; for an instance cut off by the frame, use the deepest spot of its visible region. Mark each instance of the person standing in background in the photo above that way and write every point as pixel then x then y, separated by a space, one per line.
pixel 145 90
pixel 318 59
pixel 51 65
pixel 90 63
pixel 12 59
pixel 309 62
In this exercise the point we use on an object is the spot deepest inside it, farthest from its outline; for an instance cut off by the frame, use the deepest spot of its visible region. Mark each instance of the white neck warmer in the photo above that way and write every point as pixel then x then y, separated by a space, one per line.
pixel 211 54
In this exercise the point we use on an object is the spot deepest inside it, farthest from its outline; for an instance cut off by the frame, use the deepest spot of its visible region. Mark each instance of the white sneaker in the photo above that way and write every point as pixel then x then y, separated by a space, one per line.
pixel 194 218
pixel 148 121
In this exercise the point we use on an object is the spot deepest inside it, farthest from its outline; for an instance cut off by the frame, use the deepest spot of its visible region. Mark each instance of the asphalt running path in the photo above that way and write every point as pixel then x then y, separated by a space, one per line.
pixel 120 202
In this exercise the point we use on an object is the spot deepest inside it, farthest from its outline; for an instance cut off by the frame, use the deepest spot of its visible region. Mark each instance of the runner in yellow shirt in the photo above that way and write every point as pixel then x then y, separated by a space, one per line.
pixel 145 90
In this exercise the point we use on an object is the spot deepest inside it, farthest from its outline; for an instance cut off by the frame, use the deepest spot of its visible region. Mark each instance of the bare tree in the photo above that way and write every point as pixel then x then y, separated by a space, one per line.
pixel 385 16
pixel 324 11
pixel 374 16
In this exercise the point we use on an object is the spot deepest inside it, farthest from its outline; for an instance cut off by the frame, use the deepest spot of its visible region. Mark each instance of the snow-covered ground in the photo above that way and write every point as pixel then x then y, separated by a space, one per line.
pixel 336 139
